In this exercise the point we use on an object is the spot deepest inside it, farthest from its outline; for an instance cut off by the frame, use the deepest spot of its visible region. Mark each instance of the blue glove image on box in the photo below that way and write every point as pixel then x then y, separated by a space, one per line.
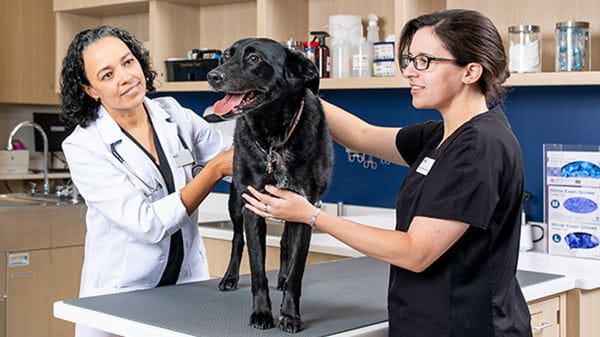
pixel 580 205
pixel 583 169
pixel 582 240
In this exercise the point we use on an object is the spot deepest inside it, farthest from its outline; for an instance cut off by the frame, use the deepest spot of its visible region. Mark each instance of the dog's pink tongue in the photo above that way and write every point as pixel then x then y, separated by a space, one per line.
pixel 227 103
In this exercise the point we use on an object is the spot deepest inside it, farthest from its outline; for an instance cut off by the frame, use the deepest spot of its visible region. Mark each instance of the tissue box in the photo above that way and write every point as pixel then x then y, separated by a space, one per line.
pixel 14 162
pixel 574 239
pixel 573 204
pixel 189 70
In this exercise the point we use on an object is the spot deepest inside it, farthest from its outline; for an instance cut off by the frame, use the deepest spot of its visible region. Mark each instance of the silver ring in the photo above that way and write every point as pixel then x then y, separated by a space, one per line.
pixel 266 208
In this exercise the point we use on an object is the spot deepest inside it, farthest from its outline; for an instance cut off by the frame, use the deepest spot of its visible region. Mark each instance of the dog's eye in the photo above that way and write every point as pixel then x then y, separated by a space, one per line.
pixel 253 58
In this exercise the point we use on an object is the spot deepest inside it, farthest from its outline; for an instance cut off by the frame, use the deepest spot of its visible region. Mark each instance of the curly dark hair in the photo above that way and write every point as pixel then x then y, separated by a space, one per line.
pixel 470 37
pixel 77 107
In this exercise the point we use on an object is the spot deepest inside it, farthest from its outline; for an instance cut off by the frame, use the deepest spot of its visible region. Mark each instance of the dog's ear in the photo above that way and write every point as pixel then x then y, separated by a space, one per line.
pixel 301 67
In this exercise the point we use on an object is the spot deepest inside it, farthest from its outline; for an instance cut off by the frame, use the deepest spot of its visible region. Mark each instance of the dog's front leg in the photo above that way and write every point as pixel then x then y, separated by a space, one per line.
pixel 232 275
pixel 261 317
pixel 284 254
pixel 298 238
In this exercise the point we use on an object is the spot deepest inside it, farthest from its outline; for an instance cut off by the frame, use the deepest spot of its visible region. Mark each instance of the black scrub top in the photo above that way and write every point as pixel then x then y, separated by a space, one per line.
pixel 176 254
pixel 475 176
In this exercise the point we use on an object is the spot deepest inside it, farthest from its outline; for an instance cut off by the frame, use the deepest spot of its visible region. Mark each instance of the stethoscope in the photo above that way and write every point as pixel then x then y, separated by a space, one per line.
pixel 196 168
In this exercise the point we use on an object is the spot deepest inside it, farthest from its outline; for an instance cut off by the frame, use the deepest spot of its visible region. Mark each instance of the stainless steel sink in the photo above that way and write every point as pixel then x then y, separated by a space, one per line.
pixel 527 278
pixel 10 202
pixel 25 199
pixel 274 227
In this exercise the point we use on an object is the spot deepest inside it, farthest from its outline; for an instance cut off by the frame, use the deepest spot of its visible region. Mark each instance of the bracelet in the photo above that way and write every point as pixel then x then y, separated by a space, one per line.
pixel 314 217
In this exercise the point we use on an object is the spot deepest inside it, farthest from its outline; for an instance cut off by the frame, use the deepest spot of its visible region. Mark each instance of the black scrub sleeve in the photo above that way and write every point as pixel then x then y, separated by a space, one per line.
pixel 463 183
pixel 412 140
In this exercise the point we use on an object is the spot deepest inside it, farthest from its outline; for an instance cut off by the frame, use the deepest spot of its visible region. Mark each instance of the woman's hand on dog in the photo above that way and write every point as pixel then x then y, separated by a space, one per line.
pixel 280 204
pixel 223 163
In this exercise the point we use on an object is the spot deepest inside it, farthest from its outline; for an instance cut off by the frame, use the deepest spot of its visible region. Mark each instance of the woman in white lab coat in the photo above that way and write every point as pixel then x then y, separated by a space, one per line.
pixel 131 158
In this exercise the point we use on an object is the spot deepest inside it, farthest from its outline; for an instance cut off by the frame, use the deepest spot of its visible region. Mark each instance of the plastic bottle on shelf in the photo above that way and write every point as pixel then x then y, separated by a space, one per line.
pixel 361 59
pixel 373 29
pixel 340 53
pixel 321 57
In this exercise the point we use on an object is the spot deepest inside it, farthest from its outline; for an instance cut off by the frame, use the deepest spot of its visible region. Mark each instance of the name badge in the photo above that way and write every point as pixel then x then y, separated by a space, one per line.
pixel 183 158
pixel 425 166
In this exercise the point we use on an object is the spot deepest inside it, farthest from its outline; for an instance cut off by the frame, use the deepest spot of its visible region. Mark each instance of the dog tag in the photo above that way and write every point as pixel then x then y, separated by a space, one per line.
pixel 183 158
pixel 269 163
pixel 425 166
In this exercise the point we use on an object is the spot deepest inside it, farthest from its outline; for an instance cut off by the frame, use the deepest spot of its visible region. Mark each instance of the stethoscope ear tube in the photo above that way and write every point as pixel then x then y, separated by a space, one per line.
pixel 122 161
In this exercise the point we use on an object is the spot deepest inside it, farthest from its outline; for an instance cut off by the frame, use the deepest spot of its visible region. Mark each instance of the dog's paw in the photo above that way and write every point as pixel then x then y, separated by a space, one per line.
pixel 228 283
pixel 281 283
pixel 289 324
pixel 261 320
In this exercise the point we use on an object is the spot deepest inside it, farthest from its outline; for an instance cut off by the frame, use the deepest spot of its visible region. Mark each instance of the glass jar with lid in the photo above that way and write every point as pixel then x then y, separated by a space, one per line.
pixel 293 45
pixel 573 46
pixel 524 49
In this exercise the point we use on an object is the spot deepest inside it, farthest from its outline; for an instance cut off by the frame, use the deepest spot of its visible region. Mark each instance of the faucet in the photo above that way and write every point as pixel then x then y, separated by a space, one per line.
pixel 44 137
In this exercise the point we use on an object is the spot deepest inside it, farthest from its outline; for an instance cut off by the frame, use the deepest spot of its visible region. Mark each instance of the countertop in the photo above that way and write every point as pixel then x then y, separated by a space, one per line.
pixel 577 272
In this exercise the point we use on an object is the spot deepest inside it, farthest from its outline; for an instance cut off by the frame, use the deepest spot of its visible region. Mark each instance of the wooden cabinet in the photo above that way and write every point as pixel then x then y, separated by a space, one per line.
pixel 2 295
pixel 582 312
pixel 549 316
pixel 2 318
pixel 41 251
pixel 219 251
pixel 49 276
pixel 172 27
pixel 27 52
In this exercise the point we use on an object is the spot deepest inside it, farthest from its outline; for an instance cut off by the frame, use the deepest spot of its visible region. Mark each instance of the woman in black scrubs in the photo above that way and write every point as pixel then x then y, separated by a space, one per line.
pixel 453 254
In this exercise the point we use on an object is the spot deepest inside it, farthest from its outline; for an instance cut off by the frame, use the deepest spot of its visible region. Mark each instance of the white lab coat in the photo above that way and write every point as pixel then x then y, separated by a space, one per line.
pixel 128 224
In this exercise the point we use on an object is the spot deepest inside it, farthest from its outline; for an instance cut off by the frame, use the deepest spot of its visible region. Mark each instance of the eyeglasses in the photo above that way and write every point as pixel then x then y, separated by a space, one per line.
pixel 421 62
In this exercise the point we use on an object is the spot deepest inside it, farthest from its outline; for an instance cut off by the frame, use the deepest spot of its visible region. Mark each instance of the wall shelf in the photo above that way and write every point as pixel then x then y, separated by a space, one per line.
pixel 554 79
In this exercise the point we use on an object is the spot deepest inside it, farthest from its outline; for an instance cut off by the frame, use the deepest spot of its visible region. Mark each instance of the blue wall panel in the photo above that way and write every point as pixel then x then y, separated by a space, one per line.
pixel 566 115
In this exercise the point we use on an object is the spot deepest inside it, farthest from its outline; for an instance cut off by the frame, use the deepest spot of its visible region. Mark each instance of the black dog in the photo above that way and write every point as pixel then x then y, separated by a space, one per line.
pixel 281 138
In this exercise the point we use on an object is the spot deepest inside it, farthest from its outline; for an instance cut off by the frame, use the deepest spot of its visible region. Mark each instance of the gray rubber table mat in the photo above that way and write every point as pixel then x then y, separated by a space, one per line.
pixel 336 297
pixel 527 278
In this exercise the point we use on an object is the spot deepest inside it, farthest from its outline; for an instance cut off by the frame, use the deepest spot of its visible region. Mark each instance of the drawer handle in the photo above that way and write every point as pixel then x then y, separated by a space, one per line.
pixel 542 326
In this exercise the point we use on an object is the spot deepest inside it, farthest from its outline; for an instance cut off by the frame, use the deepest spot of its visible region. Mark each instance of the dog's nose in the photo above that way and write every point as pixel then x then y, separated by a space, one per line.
pixel 215 76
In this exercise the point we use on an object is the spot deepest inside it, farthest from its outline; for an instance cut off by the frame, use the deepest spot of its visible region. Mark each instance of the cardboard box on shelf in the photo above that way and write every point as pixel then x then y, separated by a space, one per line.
pixel 574 204
pixel 574 239
pixel 14 162
pixel 573 168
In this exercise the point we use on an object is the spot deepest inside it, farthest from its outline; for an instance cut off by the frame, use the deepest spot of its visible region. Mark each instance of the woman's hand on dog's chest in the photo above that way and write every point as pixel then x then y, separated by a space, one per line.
pixel 281 204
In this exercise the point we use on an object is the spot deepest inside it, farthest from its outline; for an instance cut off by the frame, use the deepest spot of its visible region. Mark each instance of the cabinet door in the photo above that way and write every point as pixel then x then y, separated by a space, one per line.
pixel 27 52
pixel 28 288
pixel 2 318
pixel 64 284
pixel 544 318
pixel 37 279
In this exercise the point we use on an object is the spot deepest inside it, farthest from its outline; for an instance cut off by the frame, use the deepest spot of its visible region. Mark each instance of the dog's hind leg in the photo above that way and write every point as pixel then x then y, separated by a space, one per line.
pixel 232 275
pixel 299 242
pixel 255 226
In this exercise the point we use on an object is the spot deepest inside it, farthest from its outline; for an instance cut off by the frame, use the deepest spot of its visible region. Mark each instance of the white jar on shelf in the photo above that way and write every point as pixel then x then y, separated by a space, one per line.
pixel 524 49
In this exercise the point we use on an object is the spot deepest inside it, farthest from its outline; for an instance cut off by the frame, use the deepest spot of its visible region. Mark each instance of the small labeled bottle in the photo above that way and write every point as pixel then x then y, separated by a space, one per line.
pixel 340 54
pixel 321 54
pixel 361 59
